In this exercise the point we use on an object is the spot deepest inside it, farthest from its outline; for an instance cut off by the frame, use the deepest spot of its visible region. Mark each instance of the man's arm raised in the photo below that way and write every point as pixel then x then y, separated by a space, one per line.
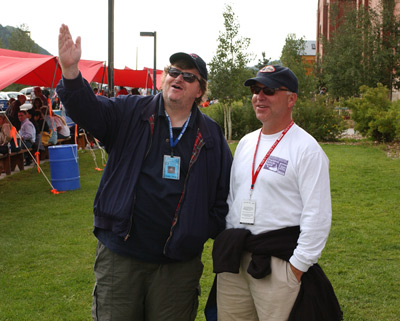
pixel 69 53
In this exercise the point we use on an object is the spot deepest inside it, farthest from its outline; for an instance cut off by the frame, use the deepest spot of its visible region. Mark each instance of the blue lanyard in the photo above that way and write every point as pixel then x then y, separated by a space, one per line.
pixel 173 142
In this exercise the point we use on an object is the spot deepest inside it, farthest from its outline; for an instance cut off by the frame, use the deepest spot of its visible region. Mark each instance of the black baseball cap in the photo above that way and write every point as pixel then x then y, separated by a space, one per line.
pixel 194 59
pixel 275 77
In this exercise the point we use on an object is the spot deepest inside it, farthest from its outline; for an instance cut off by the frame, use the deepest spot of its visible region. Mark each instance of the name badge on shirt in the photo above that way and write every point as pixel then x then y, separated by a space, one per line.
pixel 171 167
pixel 247 214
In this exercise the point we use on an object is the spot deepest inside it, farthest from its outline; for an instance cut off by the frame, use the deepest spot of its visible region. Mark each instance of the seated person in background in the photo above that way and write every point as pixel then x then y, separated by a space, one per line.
pixel 62 128
pixel 38 94
pixel 43 132
pixel 50 121
pixel 10 101
pixel 37 104
pixel 135 91
pixel 13 109
pixel 122 91
pixel 27 134
pixel 5 137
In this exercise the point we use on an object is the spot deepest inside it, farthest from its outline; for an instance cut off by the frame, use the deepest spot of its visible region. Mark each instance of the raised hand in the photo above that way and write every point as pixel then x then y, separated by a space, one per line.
pixel 69 53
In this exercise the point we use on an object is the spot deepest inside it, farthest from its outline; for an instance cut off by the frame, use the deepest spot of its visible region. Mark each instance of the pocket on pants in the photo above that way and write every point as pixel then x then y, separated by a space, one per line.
pixel 292 279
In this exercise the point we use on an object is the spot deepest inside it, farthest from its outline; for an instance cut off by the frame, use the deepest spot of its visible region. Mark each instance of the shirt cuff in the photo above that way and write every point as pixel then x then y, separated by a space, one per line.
pixel 299 265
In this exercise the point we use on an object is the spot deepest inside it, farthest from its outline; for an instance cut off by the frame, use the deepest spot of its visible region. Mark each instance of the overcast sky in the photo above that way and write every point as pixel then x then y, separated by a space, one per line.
pixel 181 25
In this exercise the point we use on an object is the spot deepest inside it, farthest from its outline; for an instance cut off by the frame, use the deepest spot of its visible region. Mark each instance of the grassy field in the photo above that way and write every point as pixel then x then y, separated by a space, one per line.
pixel 47 248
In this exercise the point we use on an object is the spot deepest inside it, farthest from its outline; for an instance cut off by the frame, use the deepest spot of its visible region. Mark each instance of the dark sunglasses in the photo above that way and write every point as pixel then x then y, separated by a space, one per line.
pixel 266 90
pixel 187 76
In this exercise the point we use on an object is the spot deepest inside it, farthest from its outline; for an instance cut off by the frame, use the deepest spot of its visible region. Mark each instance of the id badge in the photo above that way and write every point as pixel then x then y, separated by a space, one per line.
pixel 171 167
pixel 247 214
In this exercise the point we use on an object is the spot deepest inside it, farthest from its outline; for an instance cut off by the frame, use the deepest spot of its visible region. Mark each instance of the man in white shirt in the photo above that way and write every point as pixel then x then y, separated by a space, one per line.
pixel 280 185
pixel 27 133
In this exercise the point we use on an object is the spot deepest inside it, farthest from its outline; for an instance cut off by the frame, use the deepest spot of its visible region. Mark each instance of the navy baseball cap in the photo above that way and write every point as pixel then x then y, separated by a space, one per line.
pixel 275 77
pixel 194 59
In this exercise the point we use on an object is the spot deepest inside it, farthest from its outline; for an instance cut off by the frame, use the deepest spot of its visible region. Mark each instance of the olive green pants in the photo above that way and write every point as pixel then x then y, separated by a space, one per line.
pixel 130 290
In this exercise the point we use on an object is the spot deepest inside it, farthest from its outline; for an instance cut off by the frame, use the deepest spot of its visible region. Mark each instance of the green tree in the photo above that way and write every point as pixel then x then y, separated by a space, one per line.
pixel 363 50
pixel 20 40
pixel 291 58
pixel 244 119
pixel 228 68
pixel 390 45
pixel 263 61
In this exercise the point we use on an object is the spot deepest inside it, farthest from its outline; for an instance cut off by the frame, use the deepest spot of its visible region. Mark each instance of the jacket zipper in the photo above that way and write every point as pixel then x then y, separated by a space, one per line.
pixel 198 147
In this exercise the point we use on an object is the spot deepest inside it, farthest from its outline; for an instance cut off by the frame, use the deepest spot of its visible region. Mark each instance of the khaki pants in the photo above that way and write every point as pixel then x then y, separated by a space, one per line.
pixel 241 297
pixel 131 290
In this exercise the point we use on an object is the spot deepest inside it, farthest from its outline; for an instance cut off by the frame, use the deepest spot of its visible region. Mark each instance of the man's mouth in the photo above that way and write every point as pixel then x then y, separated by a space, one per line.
pixel 176 86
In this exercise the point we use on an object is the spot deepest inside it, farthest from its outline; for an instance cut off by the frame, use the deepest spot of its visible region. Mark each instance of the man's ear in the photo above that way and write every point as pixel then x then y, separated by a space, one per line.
pixel 200 93
pixel 292 99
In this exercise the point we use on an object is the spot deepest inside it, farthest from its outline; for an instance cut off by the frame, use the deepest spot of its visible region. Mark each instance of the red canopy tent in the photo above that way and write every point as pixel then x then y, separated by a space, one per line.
pixel 129 77
pixel 38 70
pixel 158 76
pixel 124 77
pixel 28 71
pixel 43 70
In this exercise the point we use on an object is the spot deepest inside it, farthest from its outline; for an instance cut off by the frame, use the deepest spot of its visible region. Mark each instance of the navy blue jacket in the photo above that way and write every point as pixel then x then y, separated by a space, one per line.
pixel 125 125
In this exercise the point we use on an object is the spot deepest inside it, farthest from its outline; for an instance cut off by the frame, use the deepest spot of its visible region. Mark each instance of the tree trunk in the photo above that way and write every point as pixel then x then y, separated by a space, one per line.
pixel 229 121
pixel 225 122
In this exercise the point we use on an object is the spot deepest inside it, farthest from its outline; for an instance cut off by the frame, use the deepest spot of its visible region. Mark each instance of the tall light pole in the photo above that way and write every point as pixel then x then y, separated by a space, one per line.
pixel 153 34
pixel 111 47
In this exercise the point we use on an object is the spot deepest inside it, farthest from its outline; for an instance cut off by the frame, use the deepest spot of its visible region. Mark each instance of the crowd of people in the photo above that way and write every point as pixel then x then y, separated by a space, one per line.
pixel 44 126
pixel 121 90
pixel 36 126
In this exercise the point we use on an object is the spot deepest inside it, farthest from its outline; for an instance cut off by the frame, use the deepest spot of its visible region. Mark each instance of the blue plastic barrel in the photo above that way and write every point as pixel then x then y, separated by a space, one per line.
pixel 64 167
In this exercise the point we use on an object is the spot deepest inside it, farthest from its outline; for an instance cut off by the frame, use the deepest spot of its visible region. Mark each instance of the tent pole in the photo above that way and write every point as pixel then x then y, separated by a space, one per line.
pixel 54 76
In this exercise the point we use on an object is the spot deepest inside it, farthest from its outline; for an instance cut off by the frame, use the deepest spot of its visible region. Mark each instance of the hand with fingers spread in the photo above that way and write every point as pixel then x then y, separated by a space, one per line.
pixel 69 53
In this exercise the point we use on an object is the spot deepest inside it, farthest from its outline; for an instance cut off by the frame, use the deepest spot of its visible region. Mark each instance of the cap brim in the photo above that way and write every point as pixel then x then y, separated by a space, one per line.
pixel 262 80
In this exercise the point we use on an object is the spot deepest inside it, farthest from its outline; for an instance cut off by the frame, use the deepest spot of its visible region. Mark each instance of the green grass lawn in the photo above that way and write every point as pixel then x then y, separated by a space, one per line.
pixel 47 248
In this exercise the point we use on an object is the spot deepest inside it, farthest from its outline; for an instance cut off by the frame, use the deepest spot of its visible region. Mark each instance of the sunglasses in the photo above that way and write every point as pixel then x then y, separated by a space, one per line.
pixel 266 90
pixel 187 76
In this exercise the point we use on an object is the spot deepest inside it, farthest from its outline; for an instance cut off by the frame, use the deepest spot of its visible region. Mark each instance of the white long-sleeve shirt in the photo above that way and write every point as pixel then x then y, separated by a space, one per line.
pixel 291 189
pixel 28 131
pixel 62 126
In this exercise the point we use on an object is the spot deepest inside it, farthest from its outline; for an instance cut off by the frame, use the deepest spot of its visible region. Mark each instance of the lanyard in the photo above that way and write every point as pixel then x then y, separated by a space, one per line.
pixel 173 142
pixel 255 174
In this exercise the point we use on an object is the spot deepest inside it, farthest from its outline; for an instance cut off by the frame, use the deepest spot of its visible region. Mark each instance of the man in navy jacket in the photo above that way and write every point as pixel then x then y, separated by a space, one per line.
pixel 163 192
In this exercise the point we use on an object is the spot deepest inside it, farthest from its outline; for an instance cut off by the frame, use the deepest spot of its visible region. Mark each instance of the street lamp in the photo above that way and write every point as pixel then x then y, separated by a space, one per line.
pixel 152 34
pixel 111 47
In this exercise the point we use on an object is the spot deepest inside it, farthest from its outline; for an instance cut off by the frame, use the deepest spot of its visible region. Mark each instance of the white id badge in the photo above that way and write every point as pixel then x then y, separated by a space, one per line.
pixel 171 167
pixel 247 214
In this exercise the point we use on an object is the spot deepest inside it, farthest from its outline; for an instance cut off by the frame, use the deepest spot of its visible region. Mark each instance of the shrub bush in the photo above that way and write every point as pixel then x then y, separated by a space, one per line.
pixel 375 116
pixel 244 120
pixel 395 113
pixel 319 117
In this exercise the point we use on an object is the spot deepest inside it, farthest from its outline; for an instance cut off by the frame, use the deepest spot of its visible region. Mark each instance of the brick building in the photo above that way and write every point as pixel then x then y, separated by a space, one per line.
pixel 325 27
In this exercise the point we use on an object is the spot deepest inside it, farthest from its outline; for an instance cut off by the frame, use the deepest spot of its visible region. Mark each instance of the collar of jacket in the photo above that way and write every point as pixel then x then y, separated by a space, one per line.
pixel 201 119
